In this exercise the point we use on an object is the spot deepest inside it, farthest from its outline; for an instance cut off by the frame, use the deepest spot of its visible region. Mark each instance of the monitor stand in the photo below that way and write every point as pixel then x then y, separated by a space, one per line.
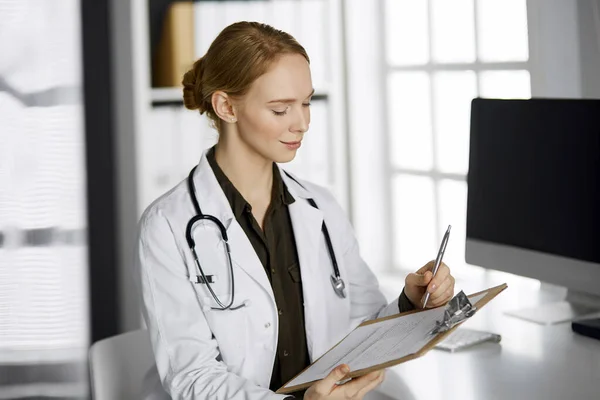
pixel 576 306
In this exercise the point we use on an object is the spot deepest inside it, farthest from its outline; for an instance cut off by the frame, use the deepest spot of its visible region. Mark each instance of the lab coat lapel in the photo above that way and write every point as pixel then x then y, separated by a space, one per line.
pixel 307 222
pixel 213 201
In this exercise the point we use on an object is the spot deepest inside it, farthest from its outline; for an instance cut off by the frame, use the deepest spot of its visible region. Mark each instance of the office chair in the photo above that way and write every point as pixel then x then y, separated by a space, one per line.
pixel 118 365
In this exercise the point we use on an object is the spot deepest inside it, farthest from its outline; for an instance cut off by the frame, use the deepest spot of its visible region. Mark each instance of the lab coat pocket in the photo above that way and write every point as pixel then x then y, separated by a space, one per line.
pixel 230 330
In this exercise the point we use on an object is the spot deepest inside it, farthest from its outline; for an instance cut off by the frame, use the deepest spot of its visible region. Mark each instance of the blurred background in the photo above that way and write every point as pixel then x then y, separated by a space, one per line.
pixel 93 129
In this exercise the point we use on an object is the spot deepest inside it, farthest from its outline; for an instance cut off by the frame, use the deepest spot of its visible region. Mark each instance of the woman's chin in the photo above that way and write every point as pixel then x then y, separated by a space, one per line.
pixel 285 156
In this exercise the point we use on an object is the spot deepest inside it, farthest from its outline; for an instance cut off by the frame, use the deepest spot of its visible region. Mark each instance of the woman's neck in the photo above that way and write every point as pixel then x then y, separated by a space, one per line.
pixel 250 173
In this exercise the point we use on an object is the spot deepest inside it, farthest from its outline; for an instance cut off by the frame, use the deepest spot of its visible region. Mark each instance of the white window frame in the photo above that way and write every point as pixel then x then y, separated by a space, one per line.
pixel 430 68
pixel 556 70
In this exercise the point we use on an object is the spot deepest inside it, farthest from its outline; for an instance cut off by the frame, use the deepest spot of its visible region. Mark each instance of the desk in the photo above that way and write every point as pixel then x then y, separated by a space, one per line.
pixel 531 362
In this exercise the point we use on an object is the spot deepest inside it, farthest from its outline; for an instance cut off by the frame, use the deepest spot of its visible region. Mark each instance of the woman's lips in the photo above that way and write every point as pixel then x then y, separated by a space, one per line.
pixel 292 145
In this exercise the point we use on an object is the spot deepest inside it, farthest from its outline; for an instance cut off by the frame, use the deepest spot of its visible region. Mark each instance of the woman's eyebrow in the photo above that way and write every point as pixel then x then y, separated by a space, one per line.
pixel 289 100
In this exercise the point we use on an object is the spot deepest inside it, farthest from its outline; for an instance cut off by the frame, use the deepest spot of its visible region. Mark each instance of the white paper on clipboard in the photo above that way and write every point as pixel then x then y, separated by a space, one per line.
pixel 377 343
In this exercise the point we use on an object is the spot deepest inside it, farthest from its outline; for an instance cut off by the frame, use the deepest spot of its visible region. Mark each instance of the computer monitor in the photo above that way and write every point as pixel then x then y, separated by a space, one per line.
pixel 533 205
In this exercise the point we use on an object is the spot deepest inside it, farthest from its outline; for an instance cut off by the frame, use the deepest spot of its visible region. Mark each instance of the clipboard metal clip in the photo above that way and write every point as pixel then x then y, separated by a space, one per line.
pixel 457 310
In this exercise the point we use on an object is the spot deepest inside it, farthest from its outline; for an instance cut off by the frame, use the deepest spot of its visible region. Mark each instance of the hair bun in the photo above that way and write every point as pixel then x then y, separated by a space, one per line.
pixel 189 90
pixel 192 88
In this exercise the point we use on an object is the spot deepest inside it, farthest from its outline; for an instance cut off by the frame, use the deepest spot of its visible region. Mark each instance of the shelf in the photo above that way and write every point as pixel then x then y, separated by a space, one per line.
pixel 166 96
pixel 173 96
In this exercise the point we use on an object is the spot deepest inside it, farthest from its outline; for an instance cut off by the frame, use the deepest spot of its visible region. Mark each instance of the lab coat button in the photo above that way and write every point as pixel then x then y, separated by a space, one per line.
pixel 267 325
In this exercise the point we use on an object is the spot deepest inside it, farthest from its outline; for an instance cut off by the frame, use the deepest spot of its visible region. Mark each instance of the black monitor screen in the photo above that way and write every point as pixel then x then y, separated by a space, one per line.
pixel 534 175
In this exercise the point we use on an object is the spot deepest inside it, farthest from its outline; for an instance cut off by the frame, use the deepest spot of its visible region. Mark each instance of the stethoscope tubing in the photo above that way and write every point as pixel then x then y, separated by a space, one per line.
pixel 336 281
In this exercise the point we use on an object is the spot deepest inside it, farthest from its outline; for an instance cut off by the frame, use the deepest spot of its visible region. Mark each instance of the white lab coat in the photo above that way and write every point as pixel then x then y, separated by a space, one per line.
pixel 202 353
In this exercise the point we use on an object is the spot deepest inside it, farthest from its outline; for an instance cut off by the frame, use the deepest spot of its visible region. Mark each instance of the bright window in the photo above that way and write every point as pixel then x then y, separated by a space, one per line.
pixel 439 56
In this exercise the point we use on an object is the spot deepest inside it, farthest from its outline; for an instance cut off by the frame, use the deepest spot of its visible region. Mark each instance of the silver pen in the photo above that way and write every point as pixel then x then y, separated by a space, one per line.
pixel 438 259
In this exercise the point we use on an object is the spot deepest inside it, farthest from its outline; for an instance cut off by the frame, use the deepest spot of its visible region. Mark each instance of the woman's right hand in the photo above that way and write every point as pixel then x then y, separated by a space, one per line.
pixel 354 389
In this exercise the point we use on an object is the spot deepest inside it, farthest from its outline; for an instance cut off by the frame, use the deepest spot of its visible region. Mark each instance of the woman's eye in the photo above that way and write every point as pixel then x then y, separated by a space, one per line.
pixel 280 113
pixel 306 104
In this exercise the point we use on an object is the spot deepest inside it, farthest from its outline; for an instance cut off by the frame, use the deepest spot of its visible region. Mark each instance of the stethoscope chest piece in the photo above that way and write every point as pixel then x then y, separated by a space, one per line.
pixel 338 286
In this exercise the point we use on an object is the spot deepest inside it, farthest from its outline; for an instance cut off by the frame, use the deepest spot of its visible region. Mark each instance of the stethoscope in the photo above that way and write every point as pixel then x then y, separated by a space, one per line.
pixel 336 281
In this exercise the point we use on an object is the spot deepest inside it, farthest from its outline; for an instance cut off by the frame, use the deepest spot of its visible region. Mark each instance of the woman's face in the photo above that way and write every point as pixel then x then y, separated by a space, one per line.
pixel 275 113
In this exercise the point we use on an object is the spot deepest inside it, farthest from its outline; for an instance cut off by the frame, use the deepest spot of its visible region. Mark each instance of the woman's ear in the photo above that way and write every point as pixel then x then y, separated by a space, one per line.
pixel 223 106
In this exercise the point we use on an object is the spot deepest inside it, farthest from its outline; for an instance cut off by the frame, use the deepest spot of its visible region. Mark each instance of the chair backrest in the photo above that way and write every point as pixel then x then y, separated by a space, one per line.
pixel 118 365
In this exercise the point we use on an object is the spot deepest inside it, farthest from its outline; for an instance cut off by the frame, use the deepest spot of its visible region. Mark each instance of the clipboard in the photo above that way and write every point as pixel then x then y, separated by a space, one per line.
pixel 425 343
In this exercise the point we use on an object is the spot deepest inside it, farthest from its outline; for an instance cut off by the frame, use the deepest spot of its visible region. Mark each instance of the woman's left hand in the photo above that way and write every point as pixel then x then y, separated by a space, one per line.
pixel 441 287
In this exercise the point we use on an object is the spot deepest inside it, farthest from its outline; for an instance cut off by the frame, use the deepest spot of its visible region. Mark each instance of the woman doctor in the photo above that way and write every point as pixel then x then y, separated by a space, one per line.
pixel 250 273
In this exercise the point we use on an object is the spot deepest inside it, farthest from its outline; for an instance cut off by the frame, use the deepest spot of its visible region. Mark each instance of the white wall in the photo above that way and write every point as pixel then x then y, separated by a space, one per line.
pixel 554 50
pixel 589 47
pixel 131 74
pixel 366 122
pixel 565 48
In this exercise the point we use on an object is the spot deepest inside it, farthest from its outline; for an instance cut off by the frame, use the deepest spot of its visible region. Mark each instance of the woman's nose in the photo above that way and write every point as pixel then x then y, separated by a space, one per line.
pixel 301 120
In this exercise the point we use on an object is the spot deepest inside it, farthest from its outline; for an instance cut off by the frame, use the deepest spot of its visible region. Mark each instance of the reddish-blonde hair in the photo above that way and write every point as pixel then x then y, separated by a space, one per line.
pixel 240 54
